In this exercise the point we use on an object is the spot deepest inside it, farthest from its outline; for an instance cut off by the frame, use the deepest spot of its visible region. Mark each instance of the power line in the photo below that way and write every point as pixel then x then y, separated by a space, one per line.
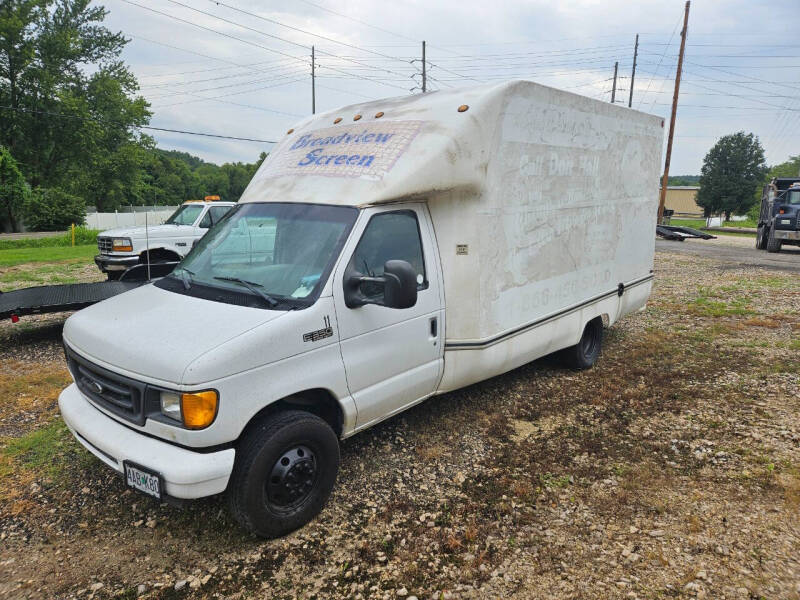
pixel 244 41
pixel 258 31
pixel 277 64
pixel 268 20
pixel 663 54
pixel 221 99
pixel 101 121
pixel 338 14
pixel 277 72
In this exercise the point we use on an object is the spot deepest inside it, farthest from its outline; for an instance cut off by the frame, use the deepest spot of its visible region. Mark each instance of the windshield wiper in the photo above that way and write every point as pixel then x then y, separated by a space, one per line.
pixel 253 287
pixel 186 277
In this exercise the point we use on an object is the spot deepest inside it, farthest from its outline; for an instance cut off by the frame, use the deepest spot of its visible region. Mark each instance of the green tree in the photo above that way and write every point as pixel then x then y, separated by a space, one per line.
pixel 790 168
pixel 732 172
pixel 14 192
pixel 69 126
pixel 53 210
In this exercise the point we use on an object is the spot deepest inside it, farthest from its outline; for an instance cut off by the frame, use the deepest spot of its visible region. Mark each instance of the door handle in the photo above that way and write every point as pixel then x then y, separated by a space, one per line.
pixel 434 322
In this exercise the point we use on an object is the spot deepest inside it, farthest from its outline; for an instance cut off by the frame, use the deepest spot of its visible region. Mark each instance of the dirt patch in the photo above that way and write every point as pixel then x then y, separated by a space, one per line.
pixel 670 470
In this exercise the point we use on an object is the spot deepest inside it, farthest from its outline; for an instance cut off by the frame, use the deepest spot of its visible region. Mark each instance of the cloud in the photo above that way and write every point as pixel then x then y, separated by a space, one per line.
pixel 738 59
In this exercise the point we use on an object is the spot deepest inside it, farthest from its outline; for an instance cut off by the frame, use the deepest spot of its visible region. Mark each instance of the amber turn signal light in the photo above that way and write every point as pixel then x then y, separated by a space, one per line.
pixel 199 409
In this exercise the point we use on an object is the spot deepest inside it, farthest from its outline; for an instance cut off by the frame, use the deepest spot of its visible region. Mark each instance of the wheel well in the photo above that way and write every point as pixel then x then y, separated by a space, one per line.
pixel 605 318
pixel 159 254
pixel 318 401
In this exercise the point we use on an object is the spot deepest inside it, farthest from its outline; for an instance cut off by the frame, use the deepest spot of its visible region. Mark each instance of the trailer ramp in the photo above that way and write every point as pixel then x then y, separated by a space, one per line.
pixel 59 298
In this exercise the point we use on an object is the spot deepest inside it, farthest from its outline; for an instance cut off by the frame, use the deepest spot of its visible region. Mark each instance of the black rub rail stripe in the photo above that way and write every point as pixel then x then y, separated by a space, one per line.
pixel 532 324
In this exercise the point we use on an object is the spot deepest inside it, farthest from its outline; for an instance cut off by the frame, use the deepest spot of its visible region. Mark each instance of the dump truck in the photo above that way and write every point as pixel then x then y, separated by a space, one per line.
pixel 384 253
pixel 779 218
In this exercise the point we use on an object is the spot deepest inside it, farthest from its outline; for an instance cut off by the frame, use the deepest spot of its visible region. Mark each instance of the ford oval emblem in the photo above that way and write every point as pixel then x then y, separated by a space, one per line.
pixel 95 387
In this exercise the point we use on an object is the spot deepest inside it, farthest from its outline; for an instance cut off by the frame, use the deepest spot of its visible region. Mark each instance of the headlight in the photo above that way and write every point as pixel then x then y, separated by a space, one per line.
pixel 122 244
pixel 195 410
pixel 171 405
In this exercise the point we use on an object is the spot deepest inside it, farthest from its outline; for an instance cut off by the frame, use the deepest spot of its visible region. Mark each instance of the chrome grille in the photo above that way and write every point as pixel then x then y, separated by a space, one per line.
pixel 104 244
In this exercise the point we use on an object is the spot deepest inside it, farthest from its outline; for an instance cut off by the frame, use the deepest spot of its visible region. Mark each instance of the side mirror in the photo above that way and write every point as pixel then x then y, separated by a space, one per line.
pixel 399 283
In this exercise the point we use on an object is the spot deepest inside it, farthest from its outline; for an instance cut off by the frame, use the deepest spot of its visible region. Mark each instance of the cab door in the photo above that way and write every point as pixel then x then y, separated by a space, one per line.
pixel 392 357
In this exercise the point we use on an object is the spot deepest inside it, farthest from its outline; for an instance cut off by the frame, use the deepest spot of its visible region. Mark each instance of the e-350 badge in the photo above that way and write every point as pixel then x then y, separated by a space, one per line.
pixel 320 334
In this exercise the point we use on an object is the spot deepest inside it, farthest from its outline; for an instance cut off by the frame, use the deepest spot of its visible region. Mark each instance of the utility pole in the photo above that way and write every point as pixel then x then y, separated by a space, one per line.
pixel 424 74
pixel 633 72
pixel 614 87
pixel 664 179
pixel 313 84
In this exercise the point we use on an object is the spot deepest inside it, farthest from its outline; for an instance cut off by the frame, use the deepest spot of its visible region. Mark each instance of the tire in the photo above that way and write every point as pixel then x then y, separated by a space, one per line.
pixel 585 353
pixel 114 275
pixel 761 239
pixel 773 244
pixel 283 474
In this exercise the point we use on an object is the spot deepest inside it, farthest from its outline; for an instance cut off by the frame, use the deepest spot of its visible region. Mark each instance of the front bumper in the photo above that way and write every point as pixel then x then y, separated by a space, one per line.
pixel 787 234
pixel 187 474
pixel 108 262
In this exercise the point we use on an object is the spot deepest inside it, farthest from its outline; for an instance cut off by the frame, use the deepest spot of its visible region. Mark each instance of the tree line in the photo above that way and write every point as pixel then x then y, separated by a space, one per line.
pixel 70 137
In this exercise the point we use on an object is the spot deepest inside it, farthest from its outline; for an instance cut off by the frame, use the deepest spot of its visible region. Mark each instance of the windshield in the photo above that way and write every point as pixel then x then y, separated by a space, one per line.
pixel 792 197
pixel 185 215
pixel 274 252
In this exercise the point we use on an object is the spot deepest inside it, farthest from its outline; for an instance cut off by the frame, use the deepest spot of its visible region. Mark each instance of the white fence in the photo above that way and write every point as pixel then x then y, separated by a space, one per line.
pixel 103 221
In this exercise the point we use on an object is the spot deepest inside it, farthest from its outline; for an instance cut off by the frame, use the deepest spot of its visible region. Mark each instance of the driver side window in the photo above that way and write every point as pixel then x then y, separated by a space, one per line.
pixel 389 236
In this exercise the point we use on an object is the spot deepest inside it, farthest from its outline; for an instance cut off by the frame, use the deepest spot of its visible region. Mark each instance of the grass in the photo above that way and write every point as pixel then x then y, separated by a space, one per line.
pixel 704 305
pixel 35 451
pixel 30 388
pixel 694 223
pixel 18 256
pixel 701 223
pixel 83 237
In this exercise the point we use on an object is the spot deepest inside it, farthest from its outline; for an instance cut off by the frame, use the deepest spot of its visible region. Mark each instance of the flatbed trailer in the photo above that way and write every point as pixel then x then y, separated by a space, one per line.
pixel 74 296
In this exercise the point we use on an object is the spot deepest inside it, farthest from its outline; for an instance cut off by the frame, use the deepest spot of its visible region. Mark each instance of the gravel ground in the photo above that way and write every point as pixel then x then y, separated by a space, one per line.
pixel 670 470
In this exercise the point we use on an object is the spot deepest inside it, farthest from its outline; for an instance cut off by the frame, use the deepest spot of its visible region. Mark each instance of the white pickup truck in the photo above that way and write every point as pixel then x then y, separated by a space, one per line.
pixel 383 253
pixel 125 247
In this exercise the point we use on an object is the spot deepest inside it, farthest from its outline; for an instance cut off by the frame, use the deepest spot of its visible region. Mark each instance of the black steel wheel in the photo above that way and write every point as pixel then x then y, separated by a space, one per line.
pixel 291 479
pixel 285 468
pixel 586 352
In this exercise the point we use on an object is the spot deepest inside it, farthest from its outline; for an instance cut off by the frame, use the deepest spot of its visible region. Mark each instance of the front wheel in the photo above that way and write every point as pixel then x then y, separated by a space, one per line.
pixel 284 473
pixel 585 353
pixel 773 243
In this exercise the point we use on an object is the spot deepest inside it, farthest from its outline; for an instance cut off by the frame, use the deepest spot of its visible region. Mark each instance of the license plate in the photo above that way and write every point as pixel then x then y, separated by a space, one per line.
pixel 143 480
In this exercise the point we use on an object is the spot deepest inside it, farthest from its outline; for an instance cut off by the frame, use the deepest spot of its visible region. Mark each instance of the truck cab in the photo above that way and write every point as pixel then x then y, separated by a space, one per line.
pixel 123 248
pixel 779 218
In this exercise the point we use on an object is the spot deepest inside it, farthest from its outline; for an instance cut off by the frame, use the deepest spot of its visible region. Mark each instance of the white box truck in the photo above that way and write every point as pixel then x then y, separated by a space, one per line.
pixel 384 253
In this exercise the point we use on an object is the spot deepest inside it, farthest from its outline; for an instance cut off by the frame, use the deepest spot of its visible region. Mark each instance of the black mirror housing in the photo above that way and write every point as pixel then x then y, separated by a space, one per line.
pixel 400 289
pixel 399 283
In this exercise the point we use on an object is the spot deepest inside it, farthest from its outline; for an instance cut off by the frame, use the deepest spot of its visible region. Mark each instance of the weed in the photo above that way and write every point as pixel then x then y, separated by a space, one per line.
pixel 549 480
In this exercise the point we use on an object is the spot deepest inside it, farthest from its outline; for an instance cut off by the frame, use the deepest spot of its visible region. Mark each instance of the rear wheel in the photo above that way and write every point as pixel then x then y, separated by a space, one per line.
pixel 585 353
pixel 284 472
pixel 761 239
pixel 773 244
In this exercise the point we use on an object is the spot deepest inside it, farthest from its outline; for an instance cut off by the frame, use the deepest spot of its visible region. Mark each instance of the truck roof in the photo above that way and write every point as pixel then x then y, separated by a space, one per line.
pixel 214 202
pixel 414 146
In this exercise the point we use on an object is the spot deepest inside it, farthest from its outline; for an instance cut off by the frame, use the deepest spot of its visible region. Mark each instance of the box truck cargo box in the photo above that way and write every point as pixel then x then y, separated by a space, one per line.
pixel 383 253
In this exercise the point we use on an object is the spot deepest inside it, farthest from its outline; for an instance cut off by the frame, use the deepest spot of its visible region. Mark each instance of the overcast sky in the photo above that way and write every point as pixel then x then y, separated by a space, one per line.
pixel 248 75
